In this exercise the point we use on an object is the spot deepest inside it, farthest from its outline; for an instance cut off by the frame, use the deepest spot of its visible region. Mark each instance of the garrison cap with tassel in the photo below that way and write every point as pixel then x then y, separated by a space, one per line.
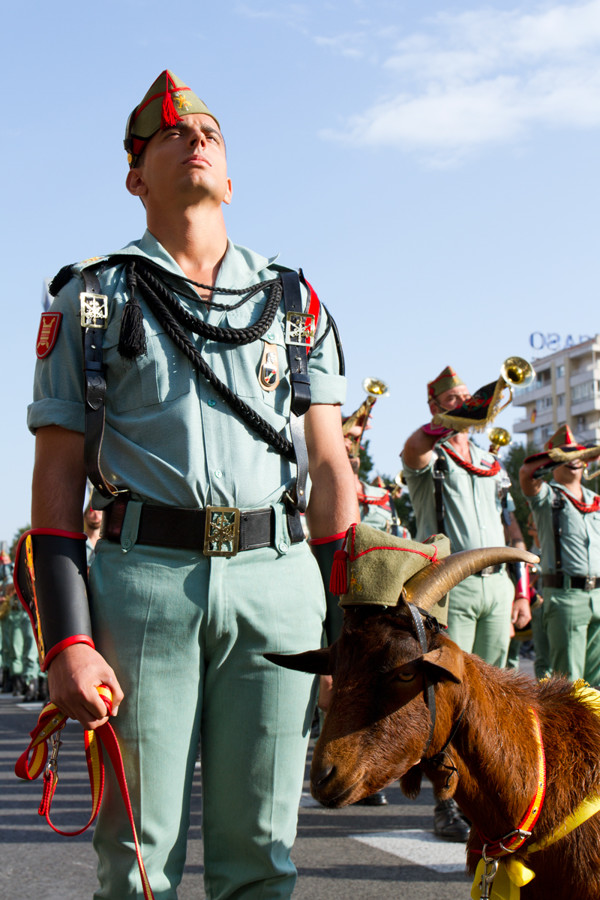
pixel 377 569
pixel 445 380
pixel 167 100
pixel 372 567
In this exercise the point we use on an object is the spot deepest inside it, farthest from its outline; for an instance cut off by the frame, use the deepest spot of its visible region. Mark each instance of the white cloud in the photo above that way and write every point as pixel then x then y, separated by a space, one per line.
pixel 486 77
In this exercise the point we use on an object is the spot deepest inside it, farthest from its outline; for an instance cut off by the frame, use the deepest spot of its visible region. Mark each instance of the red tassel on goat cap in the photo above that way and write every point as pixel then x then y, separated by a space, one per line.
pixel 338 582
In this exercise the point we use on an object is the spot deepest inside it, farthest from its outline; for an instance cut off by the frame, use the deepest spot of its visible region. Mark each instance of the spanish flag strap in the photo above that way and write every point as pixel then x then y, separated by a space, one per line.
pixel 517 838
pixel 35 760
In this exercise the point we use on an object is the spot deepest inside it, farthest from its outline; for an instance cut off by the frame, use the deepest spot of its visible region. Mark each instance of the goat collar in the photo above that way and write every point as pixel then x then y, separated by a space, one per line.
pixel 493 851
pixel 515 839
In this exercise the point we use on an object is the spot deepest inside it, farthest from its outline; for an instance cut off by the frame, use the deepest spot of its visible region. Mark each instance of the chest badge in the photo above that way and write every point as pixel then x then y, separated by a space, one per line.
pixel 268 375
pixel 47 334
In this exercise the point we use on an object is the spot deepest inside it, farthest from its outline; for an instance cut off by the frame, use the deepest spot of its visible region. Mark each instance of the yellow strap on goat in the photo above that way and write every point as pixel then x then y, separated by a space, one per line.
pixel 512 873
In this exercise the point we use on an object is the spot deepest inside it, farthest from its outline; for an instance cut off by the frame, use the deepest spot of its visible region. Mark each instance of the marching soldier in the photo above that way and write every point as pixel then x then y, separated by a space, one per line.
pixel 456 489
pixel 567 518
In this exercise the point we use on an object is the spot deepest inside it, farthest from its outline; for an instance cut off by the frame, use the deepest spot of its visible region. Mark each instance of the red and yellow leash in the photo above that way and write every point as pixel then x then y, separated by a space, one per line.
pixel 34 761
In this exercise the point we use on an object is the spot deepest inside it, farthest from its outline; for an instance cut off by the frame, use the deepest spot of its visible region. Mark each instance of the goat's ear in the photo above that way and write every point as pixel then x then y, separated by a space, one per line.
pixel 316 662
pixel 445 662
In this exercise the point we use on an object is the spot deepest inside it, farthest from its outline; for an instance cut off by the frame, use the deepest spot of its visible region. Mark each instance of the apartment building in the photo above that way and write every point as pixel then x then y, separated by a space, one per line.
pixel 566 390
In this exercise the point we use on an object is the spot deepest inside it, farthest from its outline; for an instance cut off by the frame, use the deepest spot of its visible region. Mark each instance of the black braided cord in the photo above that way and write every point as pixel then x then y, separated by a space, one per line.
pixel 171 315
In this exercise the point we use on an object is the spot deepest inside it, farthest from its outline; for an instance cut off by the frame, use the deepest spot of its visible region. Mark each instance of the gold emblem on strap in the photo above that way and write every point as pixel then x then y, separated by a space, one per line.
pixel 93 309
pixel 300 329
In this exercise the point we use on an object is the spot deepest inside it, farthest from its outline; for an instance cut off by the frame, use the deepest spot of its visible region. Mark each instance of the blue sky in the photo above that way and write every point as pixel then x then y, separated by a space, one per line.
pixel 431 166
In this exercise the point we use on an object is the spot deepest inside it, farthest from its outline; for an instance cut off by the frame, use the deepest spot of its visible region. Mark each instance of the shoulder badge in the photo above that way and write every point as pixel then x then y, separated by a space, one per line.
pixel 47 334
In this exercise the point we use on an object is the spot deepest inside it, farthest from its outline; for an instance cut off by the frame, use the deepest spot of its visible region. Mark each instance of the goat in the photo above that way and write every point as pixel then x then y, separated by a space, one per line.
pixel 476 742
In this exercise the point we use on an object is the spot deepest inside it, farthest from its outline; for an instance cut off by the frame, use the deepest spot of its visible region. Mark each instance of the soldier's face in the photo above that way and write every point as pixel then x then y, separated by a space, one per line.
pixel 188 160
pixel 453 398
pixel 569 472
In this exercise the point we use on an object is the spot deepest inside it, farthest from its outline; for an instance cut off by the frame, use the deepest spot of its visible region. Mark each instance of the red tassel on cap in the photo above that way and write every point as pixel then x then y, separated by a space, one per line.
pixel 338 582
pixel 170 116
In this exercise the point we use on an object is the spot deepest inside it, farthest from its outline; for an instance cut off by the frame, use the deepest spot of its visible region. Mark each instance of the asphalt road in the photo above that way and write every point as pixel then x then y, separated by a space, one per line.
pixel 363 853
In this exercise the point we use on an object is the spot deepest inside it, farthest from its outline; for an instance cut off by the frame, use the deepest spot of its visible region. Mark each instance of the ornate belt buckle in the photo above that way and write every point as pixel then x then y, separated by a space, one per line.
pixel 590 582
pixel 93 310
pixel 300 329
pixel 221 531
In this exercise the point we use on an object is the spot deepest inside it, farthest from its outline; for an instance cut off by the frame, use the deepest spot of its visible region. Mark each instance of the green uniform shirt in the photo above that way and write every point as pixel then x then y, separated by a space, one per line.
pixel 169 437
pixel 580 539
pixel 472 506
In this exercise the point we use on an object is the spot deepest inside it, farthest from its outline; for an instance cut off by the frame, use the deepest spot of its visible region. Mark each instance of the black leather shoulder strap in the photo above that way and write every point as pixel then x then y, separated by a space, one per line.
pixel 558 502
pixel 299 380
pixel 440 470
pixel 94 316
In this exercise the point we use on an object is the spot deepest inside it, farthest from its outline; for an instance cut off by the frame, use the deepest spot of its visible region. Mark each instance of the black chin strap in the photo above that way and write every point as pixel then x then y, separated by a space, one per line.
pixel 429 690
pixel 438 759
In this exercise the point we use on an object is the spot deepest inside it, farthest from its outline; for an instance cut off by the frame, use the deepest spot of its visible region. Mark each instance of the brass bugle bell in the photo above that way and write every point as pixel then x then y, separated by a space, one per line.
pixel 517 372
pixel 499 437
pixel 375 388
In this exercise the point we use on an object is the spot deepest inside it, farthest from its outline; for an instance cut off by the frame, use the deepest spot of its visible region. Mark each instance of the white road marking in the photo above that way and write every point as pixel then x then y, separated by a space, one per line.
pixel 420 847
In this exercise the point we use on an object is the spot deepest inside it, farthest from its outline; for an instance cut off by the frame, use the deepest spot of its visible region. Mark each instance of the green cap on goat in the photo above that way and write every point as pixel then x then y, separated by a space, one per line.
pixel 373 567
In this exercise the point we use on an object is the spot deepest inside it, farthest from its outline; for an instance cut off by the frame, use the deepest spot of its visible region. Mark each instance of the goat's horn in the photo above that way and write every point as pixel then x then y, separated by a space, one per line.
pixel 429 585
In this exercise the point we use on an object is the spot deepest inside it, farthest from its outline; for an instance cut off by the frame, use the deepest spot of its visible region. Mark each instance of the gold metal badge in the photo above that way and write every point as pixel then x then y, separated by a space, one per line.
pixel 182 101
pixel 94 310
pixel 221 531
pixel 300 329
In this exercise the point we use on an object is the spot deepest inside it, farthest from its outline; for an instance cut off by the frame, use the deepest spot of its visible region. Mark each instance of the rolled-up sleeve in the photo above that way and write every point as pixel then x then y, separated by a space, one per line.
pixel 58 390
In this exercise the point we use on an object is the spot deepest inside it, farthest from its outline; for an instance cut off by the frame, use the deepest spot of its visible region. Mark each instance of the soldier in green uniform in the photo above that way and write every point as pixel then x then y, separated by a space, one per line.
pixel 454 488
pixel 567 517
pixel 208 351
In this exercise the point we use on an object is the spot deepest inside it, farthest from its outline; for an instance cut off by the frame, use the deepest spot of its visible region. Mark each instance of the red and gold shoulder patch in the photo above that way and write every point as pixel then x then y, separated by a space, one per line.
pixel 48 333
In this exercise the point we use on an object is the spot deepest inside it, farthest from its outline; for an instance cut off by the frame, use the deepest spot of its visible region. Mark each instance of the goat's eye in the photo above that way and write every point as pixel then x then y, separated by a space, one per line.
pixel 405 675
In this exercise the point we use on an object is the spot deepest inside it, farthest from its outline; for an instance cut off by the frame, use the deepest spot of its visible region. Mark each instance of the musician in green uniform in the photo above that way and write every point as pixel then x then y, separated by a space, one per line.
pixel 455 489
pixel 567 517
pixel 208 354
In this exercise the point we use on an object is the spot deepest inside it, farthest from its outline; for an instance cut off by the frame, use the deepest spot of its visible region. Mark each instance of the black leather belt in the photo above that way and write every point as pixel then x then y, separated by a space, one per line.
pixel 581 582
pixel 490 570
pixel 215 530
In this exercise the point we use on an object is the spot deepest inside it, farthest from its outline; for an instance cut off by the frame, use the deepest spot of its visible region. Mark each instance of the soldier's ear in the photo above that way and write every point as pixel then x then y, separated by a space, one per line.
pixel 135 183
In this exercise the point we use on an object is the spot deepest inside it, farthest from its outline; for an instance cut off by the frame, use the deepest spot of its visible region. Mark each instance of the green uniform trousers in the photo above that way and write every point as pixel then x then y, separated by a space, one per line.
pixel 479 611
pixel 22 653
pixel 572 622
pixel 185 636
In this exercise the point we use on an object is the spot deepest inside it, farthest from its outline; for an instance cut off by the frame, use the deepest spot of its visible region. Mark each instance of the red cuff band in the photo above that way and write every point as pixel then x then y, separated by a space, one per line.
pixel 328 540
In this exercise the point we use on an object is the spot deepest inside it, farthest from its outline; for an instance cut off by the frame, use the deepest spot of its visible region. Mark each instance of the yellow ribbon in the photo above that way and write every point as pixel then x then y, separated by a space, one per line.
pixel 512 873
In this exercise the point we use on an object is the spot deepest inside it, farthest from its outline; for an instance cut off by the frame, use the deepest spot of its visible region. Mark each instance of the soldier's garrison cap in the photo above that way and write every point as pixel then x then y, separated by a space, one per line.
pixel 165 103
pixel 445 380
pixel 373 567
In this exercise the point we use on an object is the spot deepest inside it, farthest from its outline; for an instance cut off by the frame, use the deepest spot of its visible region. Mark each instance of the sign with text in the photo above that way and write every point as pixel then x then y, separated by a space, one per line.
pixel 553 341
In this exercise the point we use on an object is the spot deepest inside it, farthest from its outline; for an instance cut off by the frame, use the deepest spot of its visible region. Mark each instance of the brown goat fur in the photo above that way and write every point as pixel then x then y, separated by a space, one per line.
pixel 378 724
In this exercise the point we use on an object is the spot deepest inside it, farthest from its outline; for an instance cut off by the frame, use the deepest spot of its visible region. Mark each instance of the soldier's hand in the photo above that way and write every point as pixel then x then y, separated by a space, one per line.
pixel 521 612
pixel 73 678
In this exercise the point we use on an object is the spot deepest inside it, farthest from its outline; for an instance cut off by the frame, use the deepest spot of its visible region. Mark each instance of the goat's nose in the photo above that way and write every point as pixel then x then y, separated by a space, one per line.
pixel 320 778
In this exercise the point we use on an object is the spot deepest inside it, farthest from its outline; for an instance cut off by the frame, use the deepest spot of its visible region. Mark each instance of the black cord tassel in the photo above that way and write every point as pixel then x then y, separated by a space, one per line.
pixel 132 338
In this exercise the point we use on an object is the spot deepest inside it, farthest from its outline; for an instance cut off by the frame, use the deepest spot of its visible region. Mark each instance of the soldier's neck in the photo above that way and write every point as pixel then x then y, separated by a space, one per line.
pixel 196 239
pixel 460 443
pixel 572 483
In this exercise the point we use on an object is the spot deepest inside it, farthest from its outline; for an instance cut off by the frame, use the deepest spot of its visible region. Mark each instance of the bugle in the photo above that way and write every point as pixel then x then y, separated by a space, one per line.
pixel 375 389
pixel 480 410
